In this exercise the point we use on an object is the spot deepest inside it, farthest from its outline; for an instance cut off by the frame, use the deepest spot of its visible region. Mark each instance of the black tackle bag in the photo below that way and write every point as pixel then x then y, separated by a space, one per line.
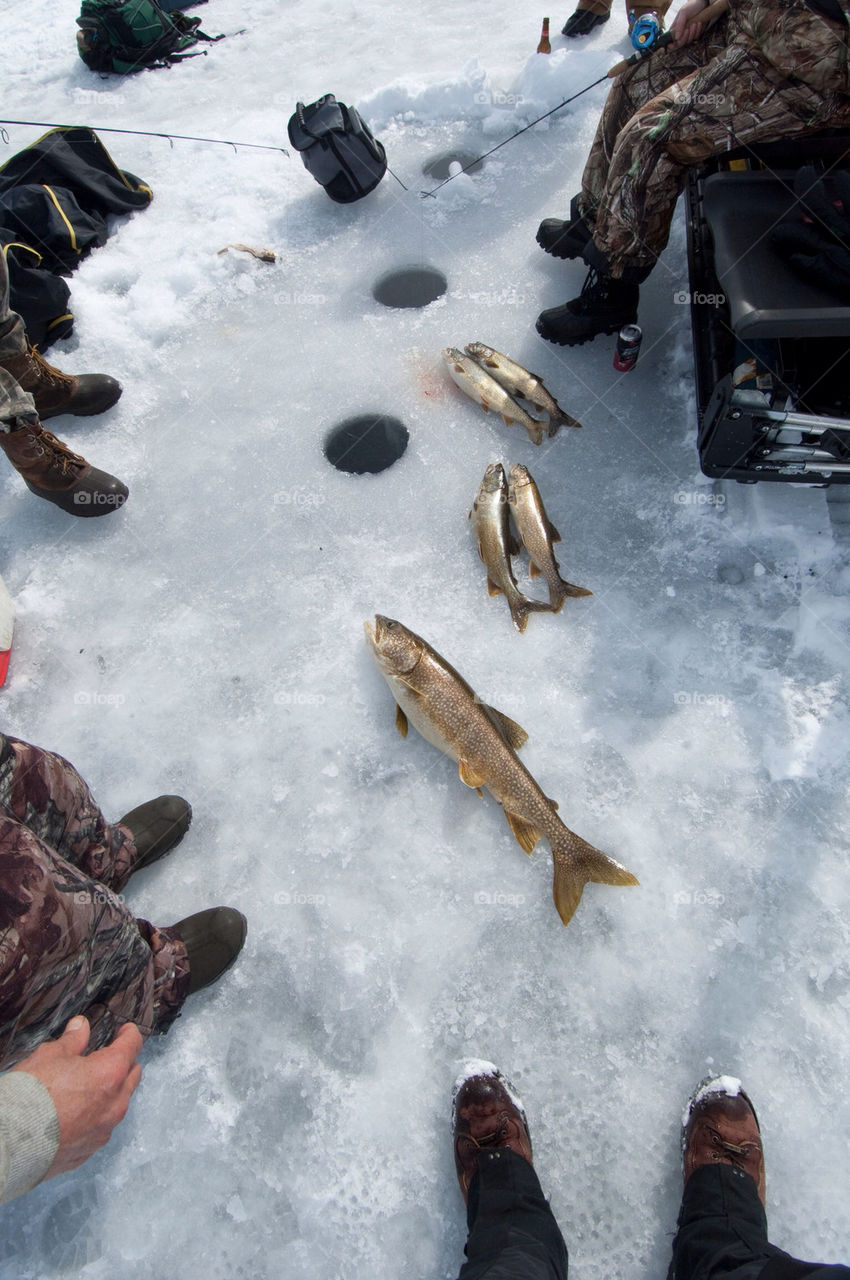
pixel 337 148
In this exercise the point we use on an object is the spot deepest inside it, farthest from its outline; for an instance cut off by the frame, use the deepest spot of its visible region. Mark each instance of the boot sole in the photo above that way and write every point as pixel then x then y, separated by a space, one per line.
pixel 579 342
pixel 558 253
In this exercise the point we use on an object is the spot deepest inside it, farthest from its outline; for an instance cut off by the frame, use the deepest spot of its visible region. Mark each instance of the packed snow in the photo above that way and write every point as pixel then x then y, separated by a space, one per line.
pixel 690 717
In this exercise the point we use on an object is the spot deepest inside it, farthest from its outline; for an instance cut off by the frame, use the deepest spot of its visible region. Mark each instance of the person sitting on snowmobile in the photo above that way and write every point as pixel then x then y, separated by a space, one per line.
pixel 767 70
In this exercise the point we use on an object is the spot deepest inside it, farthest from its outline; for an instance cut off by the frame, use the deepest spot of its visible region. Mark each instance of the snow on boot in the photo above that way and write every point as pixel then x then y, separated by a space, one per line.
pixel 55 392
pixel 721 1127
pixel 156 827
pixel 603 306
pixel 53 472
pixel 213 939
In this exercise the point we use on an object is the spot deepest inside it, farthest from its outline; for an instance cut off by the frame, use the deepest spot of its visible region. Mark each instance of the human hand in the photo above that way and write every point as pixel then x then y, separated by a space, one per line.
pixel 683 27
pixel 91 1094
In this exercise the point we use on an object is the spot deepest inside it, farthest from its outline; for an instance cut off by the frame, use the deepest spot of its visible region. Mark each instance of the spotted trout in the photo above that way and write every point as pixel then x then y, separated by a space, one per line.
pixel 438 702
pixel 520 382
pixel 477 383
pixel 491 523
pixel 538 534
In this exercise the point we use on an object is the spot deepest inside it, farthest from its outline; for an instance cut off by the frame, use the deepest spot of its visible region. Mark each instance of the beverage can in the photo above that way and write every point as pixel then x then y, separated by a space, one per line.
pixel 628 346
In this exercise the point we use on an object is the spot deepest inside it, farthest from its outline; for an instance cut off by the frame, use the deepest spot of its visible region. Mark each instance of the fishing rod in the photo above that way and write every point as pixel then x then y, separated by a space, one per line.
pixel 142 133
pixel 706 18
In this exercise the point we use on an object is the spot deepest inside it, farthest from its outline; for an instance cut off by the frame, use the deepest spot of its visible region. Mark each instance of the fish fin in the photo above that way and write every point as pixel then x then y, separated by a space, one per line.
pixel 459 367
pixel 526 833
pixel 576 863
pixel 492 589
pixel 554 803
pixel 536 436
pixel 553 532
pixel 563 591
pixel 488 364
pixel 513 733
pixel 522 608
pixel 533 570
pixel 468 776
pixel 484 404
pixel 400 721
pixel 509 422
pixel 570 589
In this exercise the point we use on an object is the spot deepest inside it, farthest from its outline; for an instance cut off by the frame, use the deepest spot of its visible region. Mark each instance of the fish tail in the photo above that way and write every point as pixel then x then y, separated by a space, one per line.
pixel 520 609
pixel 577 862
pixel 563 591
pixel 562 420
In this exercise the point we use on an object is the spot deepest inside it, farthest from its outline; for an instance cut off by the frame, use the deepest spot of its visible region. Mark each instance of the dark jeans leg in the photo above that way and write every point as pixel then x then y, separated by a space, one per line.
pixel 513 1234
pixel 722 1233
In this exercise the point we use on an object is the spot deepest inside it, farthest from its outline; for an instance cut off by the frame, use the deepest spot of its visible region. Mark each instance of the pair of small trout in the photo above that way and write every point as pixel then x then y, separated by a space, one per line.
pixel 438 702
pixel 493 379
pixel 496 543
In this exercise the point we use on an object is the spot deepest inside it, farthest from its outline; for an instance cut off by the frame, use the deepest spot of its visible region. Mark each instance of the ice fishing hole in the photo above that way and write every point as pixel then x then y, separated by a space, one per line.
pixel 366 444
pixel 438 166
pixel 410 287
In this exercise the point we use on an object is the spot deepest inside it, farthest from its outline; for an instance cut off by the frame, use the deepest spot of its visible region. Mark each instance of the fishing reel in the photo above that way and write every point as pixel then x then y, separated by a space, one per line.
pixel 644 31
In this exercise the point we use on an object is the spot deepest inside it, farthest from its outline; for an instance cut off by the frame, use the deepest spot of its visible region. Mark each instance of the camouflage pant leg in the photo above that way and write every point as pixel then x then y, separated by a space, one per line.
pixel 630 92
pixel 737 98
pixel 70 946
pixel 44 792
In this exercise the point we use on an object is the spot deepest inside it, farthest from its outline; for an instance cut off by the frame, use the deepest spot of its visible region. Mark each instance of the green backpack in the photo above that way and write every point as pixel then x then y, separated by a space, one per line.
pixel 129 35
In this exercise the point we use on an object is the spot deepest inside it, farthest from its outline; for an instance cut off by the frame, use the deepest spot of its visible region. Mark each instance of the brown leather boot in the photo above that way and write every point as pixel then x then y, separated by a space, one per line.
pixel 53 472
pixel 721 1128
pixel 486 1113
pixel 55 392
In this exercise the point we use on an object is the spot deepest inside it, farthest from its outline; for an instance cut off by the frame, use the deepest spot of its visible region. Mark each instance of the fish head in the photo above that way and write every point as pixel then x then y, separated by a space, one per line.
pixel 495 481
pixel 395 648
pixel 520 476
pixel 453 355
pixel 478 350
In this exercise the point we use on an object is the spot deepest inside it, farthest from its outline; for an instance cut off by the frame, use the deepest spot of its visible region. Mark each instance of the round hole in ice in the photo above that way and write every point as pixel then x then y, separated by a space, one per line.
pixel 410 287
pixel 438 166
pixel 367 444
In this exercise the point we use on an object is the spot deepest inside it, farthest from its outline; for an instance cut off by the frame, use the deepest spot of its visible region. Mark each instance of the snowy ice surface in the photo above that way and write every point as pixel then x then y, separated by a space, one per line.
pixel 691 717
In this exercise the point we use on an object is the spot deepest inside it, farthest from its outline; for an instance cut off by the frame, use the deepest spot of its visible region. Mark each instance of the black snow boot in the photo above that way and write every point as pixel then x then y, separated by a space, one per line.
pixel 157 826
pixel 565 239
pixel 582 22
pixel 213 940
pixel 604 306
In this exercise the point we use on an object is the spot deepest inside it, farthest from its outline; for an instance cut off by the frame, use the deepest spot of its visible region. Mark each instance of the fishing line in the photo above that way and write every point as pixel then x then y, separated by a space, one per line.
pixel 144 133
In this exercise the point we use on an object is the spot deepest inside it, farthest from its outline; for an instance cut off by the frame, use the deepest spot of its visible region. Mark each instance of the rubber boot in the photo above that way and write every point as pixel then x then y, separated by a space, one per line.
pixel 565 239
pixel 157 826
pixel 53 472
pixel 55 392
pixel 604 306
pixel 213 940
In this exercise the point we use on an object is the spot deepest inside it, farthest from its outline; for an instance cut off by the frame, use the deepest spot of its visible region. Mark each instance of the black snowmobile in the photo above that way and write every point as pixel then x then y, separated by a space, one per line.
pixel 771 345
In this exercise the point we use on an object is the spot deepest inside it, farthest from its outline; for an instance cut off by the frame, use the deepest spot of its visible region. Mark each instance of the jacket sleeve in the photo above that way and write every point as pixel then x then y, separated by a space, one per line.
pixel 29 1133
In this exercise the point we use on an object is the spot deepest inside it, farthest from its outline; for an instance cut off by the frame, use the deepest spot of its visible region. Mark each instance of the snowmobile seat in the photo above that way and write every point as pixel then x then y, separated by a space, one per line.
pixel 771 348
pixel 767 299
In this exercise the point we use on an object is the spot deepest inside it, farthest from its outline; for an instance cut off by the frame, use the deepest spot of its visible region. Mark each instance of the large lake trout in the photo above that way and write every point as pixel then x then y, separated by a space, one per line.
pixel 438 702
